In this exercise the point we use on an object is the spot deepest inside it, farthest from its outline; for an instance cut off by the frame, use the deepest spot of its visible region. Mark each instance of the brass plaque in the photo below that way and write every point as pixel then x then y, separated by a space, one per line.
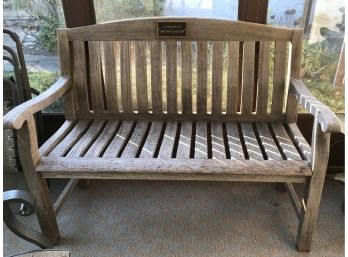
pixel 171 29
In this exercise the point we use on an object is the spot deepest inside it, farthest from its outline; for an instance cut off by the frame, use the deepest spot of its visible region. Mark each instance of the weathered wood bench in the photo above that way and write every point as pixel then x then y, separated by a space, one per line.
pixel 178 99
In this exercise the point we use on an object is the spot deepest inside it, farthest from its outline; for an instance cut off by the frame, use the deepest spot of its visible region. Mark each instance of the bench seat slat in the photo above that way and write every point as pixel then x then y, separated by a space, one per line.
pixel 103 140
pixel 234 142
pixel 184 144
pixel 63 147
pixel 251 142
pixel 267 142
pixel 134 142
pixel 285 142
pixel 177 140
pixel 87 139
pixel 217 141
pixel 119 139
pixel 150 145
pixel 201 142
pixel 167 146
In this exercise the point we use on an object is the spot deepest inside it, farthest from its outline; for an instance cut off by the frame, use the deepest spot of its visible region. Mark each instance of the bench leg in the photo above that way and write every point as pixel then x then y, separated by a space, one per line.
pixel 314 187
pixel 28 153
pixel 44 209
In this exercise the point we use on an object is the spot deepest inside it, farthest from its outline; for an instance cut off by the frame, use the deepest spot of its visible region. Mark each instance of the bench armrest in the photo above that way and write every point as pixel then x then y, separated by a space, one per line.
pixel 327 120
pixel 15 118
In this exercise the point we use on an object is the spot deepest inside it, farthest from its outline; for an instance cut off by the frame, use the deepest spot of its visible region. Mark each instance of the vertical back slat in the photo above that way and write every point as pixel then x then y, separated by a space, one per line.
pixel 95 76
pixel 126 89
pixel 248 77
pixel 279 76
pixel 110 77
pixel 296 53
pixel 217 69
pixel 80 78
pixel 141 77
pixel 156 77
pixel 232 77
pixel 171 62
pixel 186 71
pixel 263 85
pixel 65 69
pixel 202 76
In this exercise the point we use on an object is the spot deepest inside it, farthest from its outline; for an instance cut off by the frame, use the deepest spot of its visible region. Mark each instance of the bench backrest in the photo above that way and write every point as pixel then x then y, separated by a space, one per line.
pixel 123 67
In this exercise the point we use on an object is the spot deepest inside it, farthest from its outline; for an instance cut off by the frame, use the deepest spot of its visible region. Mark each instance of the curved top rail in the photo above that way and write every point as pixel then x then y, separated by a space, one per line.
pixel 197 29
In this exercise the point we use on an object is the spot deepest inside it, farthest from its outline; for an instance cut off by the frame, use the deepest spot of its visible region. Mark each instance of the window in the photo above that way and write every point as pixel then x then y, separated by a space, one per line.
pixel 107 10
pixel 323 42
pixel 35 22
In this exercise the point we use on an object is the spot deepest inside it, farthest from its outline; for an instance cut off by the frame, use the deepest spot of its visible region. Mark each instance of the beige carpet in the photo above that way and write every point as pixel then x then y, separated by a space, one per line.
pixel 163 218
pixel 45 253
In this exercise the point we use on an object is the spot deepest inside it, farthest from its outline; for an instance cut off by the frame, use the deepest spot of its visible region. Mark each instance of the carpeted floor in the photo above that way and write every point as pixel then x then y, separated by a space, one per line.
pixel 208 219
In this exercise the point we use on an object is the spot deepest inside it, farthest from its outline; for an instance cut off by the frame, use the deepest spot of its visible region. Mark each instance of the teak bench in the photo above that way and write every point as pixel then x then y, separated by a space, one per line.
pixel 178 99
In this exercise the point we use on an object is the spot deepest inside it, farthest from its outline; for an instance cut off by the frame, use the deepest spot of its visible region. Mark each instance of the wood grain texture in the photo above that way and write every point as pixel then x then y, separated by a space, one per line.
pixel 234 142
pixel 217 70
pixel 167 146
pixel 199 29
pixel 319 160
pixel 15 118
pixel 201 141
pixel 80 77
pixel 28 153
pixel 68 142
pixel 172 169
pixel 66 70
pixel 232 77
pixel 300 141
pixel 251 143
pixel 217 141
pixel 184 144
pixel 326 118
pixel 202 74
pixel 152 140
pixel 267 141
pixel 70 186
pixel 95 76
pixel 186 76
pixel 171 70
pixel 285 142
pixel 119 140
pixel 110 75
pixel 57 137
pixel 141 76
pixel 134 142
pixel 182 117
pixel 126 89
pixel 101 143
pixel 80 148
pixel 296 54
pixel 279 76
pixel 156 77
pixel 248 77
pixel 264 73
